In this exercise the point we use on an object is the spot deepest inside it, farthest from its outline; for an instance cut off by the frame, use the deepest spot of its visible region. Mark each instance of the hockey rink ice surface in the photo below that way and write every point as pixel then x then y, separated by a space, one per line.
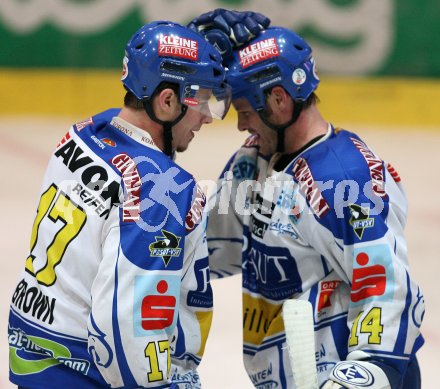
pixel 25 147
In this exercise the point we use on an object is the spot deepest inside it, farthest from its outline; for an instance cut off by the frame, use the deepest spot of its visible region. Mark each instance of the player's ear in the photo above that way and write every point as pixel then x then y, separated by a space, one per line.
pixel 167 104
pixel 278 99
pixel 168 99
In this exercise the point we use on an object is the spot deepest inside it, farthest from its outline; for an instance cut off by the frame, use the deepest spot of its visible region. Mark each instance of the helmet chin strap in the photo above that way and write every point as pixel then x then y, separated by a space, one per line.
pixel 167 125
pixel 281 129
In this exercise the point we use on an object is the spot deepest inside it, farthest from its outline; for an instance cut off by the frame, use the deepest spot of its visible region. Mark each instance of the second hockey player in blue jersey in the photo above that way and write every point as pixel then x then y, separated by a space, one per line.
pixel 308 211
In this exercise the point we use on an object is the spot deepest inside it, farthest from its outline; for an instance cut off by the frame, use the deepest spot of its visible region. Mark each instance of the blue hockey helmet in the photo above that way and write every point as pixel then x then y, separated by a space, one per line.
pixel 166 51
pixel 278 56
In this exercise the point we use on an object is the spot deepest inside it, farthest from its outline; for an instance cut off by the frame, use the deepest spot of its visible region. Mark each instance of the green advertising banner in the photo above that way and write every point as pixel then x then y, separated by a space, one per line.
pixel 349 37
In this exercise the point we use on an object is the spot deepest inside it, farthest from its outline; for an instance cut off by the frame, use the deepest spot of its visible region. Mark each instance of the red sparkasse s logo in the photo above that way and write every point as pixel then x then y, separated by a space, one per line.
pixel 175 46
pixel 258 52
pixel 367 281
pixel 157 311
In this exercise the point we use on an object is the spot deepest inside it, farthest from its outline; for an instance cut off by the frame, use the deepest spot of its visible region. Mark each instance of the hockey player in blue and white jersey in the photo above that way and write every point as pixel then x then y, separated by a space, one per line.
pixel 115 291
pixel 306 210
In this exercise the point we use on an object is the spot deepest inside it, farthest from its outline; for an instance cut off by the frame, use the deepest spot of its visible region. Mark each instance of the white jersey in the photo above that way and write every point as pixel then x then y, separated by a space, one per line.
pixel 115 290
pixel 327 228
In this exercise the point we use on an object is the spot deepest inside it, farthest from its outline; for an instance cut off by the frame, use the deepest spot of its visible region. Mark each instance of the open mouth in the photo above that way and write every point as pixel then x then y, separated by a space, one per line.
pixel 254 134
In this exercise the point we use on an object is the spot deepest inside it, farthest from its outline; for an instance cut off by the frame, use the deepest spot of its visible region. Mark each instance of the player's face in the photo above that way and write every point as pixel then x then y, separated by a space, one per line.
pixel 184 130
pixel 249 120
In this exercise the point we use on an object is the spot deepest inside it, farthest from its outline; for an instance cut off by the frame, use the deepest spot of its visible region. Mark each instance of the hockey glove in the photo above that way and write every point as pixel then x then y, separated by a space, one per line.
pixel 357 375
pixel 226 30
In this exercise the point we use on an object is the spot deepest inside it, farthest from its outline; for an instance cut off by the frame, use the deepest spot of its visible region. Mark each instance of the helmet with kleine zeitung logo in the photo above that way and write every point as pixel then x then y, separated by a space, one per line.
pixel 278 56
pixel 164 51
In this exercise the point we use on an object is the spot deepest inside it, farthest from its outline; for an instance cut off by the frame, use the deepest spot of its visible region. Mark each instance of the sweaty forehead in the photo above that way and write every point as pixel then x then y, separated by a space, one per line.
pixel 241 104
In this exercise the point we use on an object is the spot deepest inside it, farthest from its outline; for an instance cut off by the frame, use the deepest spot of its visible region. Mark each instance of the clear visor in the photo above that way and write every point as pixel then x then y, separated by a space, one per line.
pixel 212 103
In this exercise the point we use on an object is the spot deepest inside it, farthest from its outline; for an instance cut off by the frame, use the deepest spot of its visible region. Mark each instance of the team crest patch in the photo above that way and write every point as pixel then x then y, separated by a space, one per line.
pixel 299 76
pixel 165 246
pixel 360 219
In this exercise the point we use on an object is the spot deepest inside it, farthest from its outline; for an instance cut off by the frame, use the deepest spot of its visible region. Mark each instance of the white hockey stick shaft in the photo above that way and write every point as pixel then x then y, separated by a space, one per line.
pixel 300 337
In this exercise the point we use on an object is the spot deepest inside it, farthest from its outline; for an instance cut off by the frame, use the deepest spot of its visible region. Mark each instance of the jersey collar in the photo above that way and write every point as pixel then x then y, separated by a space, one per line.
pixel 139 135
pixel 280 162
